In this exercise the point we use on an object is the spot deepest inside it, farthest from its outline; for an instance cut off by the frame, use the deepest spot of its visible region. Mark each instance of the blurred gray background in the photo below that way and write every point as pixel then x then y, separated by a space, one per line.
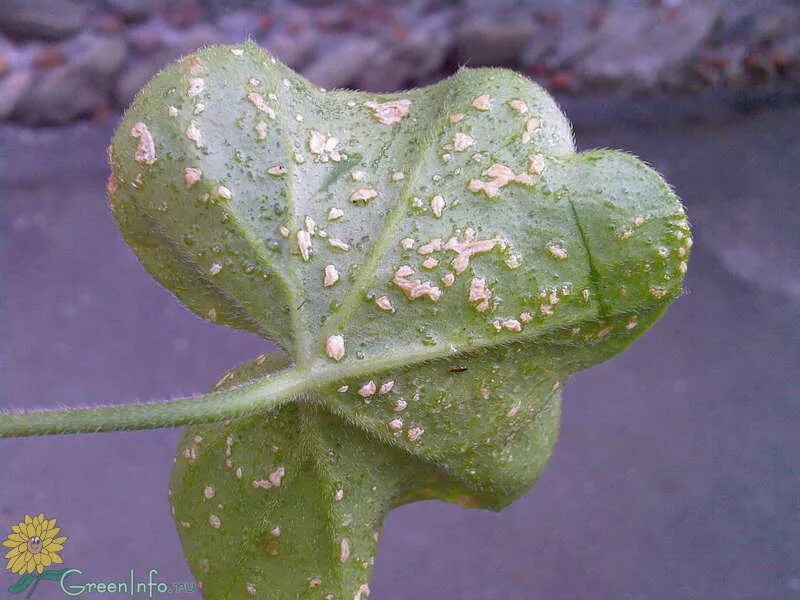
pixel 677 472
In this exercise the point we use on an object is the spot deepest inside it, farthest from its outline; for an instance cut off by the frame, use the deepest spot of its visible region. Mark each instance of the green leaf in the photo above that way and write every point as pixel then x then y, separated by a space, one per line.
pixel 435 264
pixel 22 584
pixel 53 574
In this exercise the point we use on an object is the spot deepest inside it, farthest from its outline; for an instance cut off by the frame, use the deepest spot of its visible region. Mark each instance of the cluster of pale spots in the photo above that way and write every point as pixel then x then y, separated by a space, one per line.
pixel 435 264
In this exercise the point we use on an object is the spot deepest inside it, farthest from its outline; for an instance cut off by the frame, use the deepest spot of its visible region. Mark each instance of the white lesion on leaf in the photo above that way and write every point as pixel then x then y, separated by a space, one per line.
pixel 330 275
pixel 192 175
pixel 498 176
pixel 531 126
pixel 390 112
pixel 193 134
pixel 145 151
pixel 414 288
pixel 196 86
pixel 518 105
pixel 384 303
pixel 261 105
pixel 334 347
pixel 363 195
pixel 304 244
pixel 438 205
pixel 368 389
pixel 479 292
pixel 468 247
pixel 482 102
pixel 430 247
pixel 324 146
pixel 557 250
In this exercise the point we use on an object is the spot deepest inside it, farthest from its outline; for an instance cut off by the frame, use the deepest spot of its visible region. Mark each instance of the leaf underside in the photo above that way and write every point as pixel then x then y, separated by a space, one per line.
pixel 443 254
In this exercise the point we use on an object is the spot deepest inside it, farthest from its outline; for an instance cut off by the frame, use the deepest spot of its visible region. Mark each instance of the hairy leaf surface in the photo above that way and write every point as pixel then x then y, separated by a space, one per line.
pixel 434 263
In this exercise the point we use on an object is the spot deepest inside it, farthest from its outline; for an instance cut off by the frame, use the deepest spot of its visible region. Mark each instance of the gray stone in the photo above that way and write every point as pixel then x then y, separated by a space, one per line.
pixel 60 96
pixel 78 87
pixel 44 19
pixel 415 60
pixel 486 43
pixel 638 46
pixel 342 65
pixel 12 88
pixel 133 10
pixel 752 22
pixel 236 26
pixel 196 37
pixel 559 45
pixel 147 37
pixel 138 74
pixel 294 49
pixel 96 55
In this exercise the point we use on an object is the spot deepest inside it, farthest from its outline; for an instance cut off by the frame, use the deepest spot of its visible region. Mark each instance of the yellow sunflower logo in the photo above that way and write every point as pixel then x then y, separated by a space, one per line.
pixel 34 545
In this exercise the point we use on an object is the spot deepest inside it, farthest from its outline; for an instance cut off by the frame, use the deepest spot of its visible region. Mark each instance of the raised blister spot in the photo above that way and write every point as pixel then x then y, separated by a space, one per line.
pixel 258 101
pixel 467 248
pixel 479 292
pixel 146 148
pixel 193 134
pixel 414 288
pixel 536 163
pixel 324 146
pixel 456 117
pixel 531 126
pixel 414 433
pixel 192 175
pixel 334 347
pixel 499 177
pixel 557 250
pixel 335 214
pixel 462 141
pixel 390 112
pixel 363 195
pixel 277 170
pixel 304 244
pixel 344 550
pixel 196 86
pixel 518 105
pixel 482 102
pixel 339 244
pixel 437 205
pixel 384 303
pixel 261 130
pixel 368 389
pixel 513 260
pixel 433 246
pixel 330 276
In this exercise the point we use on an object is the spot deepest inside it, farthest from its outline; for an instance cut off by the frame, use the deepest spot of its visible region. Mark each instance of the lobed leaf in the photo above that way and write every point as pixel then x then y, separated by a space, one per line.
pixel 434 263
